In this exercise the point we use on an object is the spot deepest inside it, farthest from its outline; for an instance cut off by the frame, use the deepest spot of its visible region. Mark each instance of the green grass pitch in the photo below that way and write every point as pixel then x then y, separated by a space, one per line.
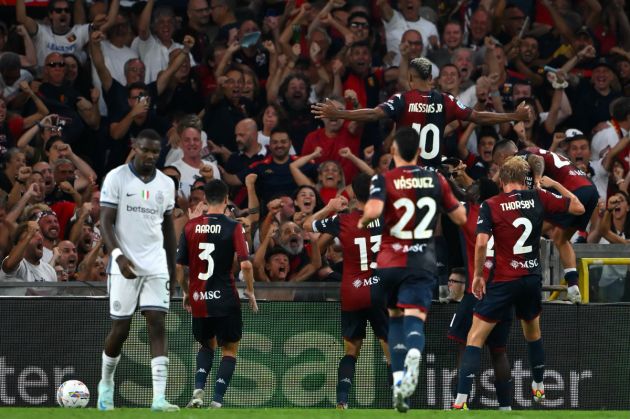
pixel 58 413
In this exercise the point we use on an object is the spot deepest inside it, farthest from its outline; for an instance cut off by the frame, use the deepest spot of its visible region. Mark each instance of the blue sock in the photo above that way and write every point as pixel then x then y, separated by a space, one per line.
pixel 345 377
pixel 205 357
pixel 470 365
pixel 396 342
pixel 571 276
pixel 224 375
pixel 504 392
pixel 536 354
pixel 414 332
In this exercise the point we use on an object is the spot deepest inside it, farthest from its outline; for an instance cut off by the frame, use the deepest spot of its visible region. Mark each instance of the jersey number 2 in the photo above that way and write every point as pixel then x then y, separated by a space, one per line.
pixel 206 254
pixel 423 132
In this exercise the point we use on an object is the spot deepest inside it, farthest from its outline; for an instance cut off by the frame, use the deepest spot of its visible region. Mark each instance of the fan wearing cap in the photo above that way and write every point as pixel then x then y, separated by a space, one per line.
pixel 591 100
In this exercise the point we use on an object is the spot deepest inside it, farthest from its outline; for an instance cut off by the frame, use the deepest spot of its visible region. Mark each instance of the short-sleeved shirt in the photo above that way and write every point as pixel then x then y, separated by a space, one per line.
pixel 273 178
pixel 46 42
pixel 398 25
pixel 428 113
pixel 515 220
pixel 331 146
pixel 560 169
pixel 140 209
pixel 360 247
pixel 413 197
pixel 207 246
pixel 153 54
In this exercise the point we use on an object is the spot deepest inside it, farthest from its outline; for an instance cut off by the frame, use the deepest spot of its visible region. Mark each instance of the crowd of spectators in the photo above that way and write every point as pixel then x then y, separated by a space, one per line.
pixel 228 85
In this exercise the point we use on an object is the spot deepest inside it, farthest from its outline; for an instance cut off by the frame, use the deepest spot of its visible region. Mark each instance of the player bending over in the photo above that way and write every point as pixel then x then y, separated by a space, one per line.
pixel 514 218
pixel 409 198
pixel 137 225
pixel 359 260
pixel 208 246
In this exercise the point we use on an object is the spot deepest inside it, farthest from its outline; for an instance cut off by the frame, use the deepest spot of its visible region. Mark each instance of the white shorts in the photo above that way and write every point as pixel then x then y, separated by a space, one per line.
pixel 145 292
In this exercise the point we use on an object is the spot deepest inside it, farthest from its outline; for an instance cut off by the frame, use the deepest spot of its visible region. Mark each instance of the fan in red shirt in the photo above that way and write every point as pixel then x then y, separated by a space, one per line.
pixel 422 108
pixel 515 219
pixel 409 198
pixel 334 136
pixel 561 227
pixel 359 260
pixel 208 246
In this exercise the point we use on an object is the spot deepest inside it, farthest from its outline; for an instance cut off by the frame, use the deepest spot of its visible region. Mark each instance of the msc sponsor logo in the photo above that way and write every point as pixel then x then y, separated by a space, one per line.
pixel 207 295
pixel 142 210
pixel 415 248
pixel 527 264
pixel 373 280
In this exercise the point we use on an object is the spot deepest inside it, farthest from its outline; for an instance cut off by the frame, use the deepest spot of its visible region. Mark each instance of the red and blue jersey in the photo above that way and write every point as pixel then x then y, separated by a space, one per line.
pixel 560 169
pixel 207 246
pixel 515 220
pixel 428 113
pixel 360 247
pixel 413 197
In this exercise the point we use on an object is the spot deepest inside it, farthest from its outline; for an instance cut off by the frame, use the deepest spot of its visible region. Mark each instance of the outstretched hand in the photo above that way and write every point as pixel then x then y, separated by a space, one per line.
pixel 328 109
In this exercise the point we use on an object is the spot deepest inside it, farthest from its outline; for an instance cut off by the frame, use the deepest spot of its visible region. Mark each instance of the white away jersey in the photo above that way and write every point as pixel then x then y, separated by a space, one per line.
pixel 140 211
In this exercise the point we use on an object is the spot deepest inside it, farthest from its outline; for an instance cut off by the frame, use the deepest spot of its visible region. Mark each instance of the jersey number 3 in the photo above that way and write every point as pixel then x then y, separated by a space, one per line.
pixel 206 254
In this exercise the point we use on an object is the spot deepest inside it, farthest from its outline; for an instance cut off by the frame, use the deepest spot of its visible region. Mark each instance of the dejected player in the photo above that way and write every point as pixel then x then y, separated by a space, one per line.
pixel 561 227
pixel 208 246
pixel 422 108
pixel 514 218
pixel 359 261
pixel 137 226
pixel 409 198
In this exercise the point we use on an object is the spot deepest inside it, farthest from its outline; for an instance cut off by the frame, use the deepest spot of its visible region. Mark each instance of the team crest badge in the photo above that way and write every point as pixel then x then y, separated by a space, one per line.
pixel 71 38
pixel 159 197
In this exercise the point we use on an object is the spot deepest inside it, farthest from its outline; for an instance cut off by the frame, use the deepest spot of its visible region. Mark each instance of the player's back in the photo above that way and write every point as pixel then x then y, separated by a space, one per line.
pixel 360 247
pixel 211 242
pixel 515 220
pixel 561 169
pixel 468 231
pixel 428 113
pixel 413 198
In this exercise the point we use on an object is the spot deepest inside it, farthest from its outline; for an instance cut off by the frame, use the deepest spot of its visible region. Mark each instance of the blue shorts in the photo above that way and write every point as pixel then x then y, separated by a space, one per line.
pixel 589 197
pixel 462 321
pixel 353 323
pixel 404 288
pixel 524 293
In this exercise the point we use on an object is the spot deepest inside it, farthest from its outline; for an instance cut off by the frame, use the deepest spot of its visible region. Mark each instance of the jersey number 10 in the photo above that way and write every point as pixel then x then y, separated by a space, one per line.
pixel 427 152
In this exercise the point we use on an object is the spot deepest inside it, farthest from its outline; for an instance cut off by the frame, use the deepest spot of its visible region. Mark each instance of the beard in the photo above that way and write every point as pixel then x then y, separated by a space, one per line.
pixel 294 247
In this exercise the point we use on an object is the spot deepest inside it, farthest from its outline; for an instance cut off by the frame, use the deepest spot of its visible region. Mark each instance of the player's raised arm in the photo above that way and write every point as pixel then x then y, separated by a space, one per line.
pixel 328 109
pixel 492 118
pixel 575 206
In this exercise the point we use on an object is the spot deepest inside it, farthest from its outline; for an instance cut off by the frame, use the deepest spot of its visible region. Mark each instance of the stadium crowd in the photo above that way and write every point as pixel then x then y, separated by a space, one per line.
pixel 229 86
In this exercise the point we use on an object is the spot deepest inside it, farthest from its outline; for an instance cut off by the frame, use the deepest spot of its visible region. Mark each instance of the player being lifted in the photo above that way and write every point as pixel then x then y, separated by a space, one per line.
pixel 514 218
pixel 137 226
pixel 422 108
pixel 409 198
pixel 208 246
pixel 561 227
pixel 359 260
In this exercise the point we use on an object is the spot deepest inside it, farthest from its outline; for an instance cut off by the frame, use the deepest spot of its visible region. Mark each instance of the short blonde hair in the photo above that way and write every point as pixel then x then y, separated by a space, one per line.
pixel 514 170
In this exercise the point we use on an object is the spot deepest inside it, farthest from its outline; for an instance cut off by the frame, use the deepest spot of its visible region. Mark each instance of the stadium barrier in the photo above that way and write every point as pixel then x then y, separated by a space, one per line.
pixel 289 357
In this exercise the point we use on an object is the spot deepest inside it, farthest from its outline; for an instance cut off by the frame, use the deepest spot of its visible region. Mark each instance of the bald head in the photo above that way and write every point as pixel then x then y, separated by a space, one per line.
pixel 502 150
pixel 246 133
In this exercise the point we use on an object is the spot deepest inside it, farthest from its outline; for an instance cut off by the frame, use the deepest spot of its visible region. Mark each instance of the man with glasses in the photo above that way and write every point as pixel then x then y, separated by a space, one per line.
pixel 456 284
pixel 222 13
pixel 59 36
pixel 198 26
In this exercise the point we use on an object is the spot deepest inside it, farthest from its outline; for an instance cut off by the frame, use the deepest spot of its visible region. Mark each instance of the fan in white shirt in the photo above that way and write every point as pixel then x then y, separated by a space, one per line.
pixel 59 36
